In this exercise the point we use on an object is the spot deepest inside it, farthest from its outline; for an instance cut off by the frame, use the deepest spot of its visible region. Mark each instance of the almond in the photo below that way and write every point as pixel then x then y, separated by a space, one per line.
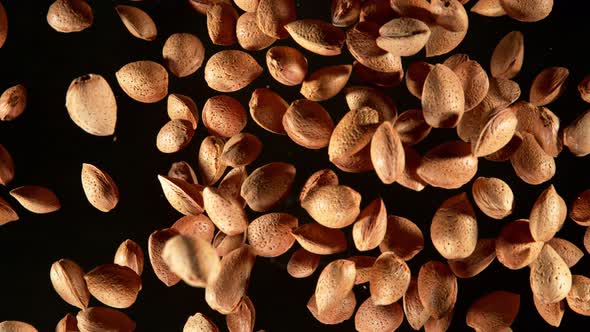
pixel 387 153
pixel 317 36
pixel 184 197
pixel 568 251
pixel 273 15
pixel 156 243
pixel 482 256
pixel 547 215
pixel 183 54
pixel 267 109
pixel 201 6
pixel 437 288
pixel 454 228
pixel 577 137
pixel 195 226
pixel 268 185
pixel 410 178
pixel 224 244
pixel 317 179
pixel 363 265
pixel 411 127
pixel 224 116
pixel 334 283
pixel 403 36
pixel 181 107
pixel 243 318
pixel 578 299
pixel 361 96
pixel 225 212
pixel 221 24
pixel 449 165
pixel 7 213
pixel 416 75
pixel 508 56
pixel 144 81
pixel 369 230
pixel 345 12
pixel 443 100
pixel 414 311
pixel 489 8
pixel 249 35
pixel 376 318
pixel 338 314
pixel 580 209
pixel 211 167
pixel 333 206
pixel 402 237
pixel 114 285
pixel 326 82
pixel 389 279
pixel 515 247
pixel 100 189
pixel 286 65
pixel 241 150
pixel 270 234
pixel 493 311
pixel 541 123
pixel 357 162
pixel 183 171
pixel 302 263
pixel 495 134
pixel 6 166
pixel 551 279
pixel 443 41
pixel 308 124
pixel 475 83
pixel 97 319
pixel 493 197
pixel 353 132
pixel 16 326
pixel 199 323
pixel 129 254
pixel 442 324
pixel 70 15
pixel 456 60
pixel 36 199
pixel 450 15
pixel 247 6
pixel 319 239
pixel 67 279
pixel 193 259
pixel 67 324
pixel 361 41
pixel 548 85
pixel 13 102
pixel 231 70
pixel 137 22
pixel 552 313
pixel 531 163
pixel 231 184
pixel 527 10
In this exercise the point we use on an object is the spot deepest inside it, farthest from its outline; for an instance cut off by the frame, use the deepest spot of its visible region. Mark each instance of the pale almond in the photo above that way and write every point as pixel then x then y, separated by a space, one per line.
pixel 13 102
pixel 231 184
pixel 515 247
pixel 449 165
pixel 241 150
pixel 527 10
pixel 495 134
pixel 231 70
pixel 576 135
pixel 249 35
pixel 547 215
pixel 199 323
pixel 578 299
pixel 67 279
pixel 144 81
pixel 376 318
pixel 16 326
pixel 437 288
pixel 508 56
pixel 336 315
pixel 184 197
pixel 183 54
pixel 403 36
pixel 326 82
pixel 475 83
pixel 361 96
pixel 156 243
pixel 70 15
pixel 334 283
pixel 195 226
pixel 353 132
pixel 100 319
pixel 454 228
pixel 552 313
pixel 225 212
pixel 493 197
pixel 268 185
pixel 568 251
pixel 317 36
pixel 183 171
pixel 209 162
pixel 287 65
pixel 193 259
pixel 542 124
pixel 319 239
pixel 450 15
pixel 242 319
pixel 273 15
pixel 308 124
pixel 387 153
pixel 181 107
pixel 363 265
pixel 221 24
pixel 531 163
pixel 270 234
pixel 443 100
pixel 551 279
pixel 267 109
pixel 370 228
pixel 137 22
pixel 414 311
pixel 36 199
pixel 402 237
pixel 317 179
pixel 489 8
pixel 333 206
pixel 247 6
pixel 224 116
pixel 201 6
pixel 389 279
pixel 224 244
pixel 493 311
pixel 114 285
pixel 443 41
pixel 361 41
pixel 67 324
pixel 129 254
pixel 302 263
pixel 358 162
pixel 100 189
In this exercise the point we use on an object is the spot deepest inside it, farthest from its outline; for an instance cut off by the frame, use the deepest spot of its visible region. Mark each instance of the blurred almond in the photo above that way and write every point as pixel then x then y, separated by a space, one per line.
pixel 144 81
pixel 199 323
pixel 224 116
pixel 403 36
pixel 363 265
pixel 361 41
pixel 98 319
pixel 156 243
pixel 242 319
pixel 319 239
pixel 91 105
pixel 193 259
pixel 6 166
pixel 345 12
pixel 443 101
pixel 183 54
pixel 493 197
pixel 100 189
pixel 317 36
pixel 183 171
pixel 353 132
pixel 302 263
pixel 489 8
pixel 411 127
pixel 270 235
pixel 547 215
pixel 410 178
pixel 378 11
pixel 137 22
pixel 580 209
pixel 268 185
pixel 552 313
pixel 377 78
pixel 13 102
pixel 402 237
pixel 414 311
pixel 584 89
pixel 36 199
pixel 548 85
pixel 495 133
pixel 333 206
pixel 334 283
pixel 576 135
pixel 201 6
pixel 475 83
pixel 225 212
pixel 267 109
pixel 369 230
pixel 531 163
pixel 210 165
pixel 437 288
pixel 389 279
pixel 247 5
pixel 378 318
pixel 482 256
pixel 551 279
pixel 195 226
pixel 387 153
pixel 249 35
pixel 16 326
pixel 508 56
pixel 326 82
pixel 568 251
pixel 224 244
pixel 493 311
pixel 273 15
pixel 361 96
pixel 231 184
pixel 182 107
pixel 129 254
pixel 7 213
pixel 114 285
pixel 336 315
pixel 454 228
pixel 241 150
pixel 578 299
pixel 184 197
pixel 308 124
pixel 416 75
pixel 3 25
pixel 70 15
pixel 449 165
pixel 221 24
pixel 67 279
pixel 231 70
pixel 286 65
pixel 527 10
pixel 515 247
pixel 67 324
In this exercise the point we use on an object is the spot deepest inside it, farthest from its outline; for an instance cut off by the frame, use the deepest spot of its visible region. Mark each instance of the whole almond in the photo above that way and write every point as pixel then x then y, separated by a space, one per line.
pixel 389 279
pixel 199 323
pixel 333 206
pixel 531 163
pixel 456 60
pixel 449 165
pixel 353 132
pixel 326 82
pixel 403 36
pixel 36 199
pixel 221 24
pixel 67 279
pixel 241 150
pixel 3 25
pixel 70 15
pixel 547 215
pixel 156 243
pixel 495 133
pixel 302 263
pixel 211 167
pixel 541 123
pixel 317 179
pixel 231 184
pixel 100 189
pixel 286 65
pixel 334 283
pixel 578 299
pixel 267 109
pixel 515 247
pixel 475 83
pixel 6 166
pixel 387 153
pixel 91 105
pixel 268 185
pixel 308 124
pixel 249 35
pixel 224 116
pixel 270 234
pixel 489 8
pixel 195 226
pixel 345 12
pixel 224 244
pixel 577 137
pixel 450 15
pixel 437 288
pixel 225 212
pixel 273 15
pixel 183 54
pixel 319 239
pixel 402 237
pixel 493 197
pixel 181 107
pixel 454 228
pixel 242 319
pixel 580 208
pixel 225 290
pixel 552 313
pixel 378 11
pixel 247 5
pixel 377 78
pixel 231 70
pixel 443 41
pixel 193 259
pixel 527 10
pixel 363 265
pixel 129 254
pixel 184 197
pixel 411 127
pixel 416 75
pixel 361 41
pixel 16 326
pixel 551 279
pixel 493 311
pixel 482 256
pixel 201 6
pixel 548 85
pixel 508 56
pixel 67 324
pixel 443 100
pixel 568 251
pixel 377 318
pixel 584 89
pixel 361 96
pixel 114 285
pixel 144 81
pixel 137 22
pixel 501 93
pixel 317 36
pixel 99 319
pixel 414 311
pixel 338 314
pixel 7 213
pixel 410 178
pixel 369 230
pixel 13 102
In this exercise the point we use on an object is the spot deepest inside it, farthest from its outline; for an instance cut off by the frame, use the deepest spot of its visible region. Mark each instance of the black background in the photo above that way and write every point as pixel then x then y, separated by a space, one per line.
pixel 49 149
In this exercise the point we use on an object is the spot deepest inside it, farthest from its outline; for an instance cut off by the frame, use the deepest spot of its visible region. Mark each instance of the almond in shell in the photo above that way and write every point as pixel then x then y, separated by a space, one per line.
pixel 70 15
pixel 515 246
pixel 326 82
pixel 338 314
pixel 224 116
pixel 334 283
pixel 137 22
pixel 184 197
pixel 531 163
pixel 387 153
pixel 443 100
pixel 333 206
pixel 242 319
pixel 508 56
pixel 104 319
pixel 482 256
pixel 578 299
pixel 231 70
pixel 193 259
pixel 268 185
pixel 449 165
pixel 183 54
pixel 389 279
pixel 221 24
pixel 437 288
pixel 454 228
pixel 156 243
pixel 273 15
pixel 67 278
pixel 199 323
pixel 527 10
pixel 308 124
pixel 317 36
pixel 36 199
pixel 493 311
pixel 568 251
pixel 302 263
pixel 580 209
pixel 411 127
pixel 195 226
pixel 144 81
pixel 267 109
pixel 114 285
pixel 225 212
pixel 129 254
pixel 493 197
pixel 241 150
pixel 402 237
pixel 548 85
pixel 361 41
pixel 319 239
pixel 576 135
pixel 551 279
pixel 547 215
pixel 249 35
pixel 403 36
pixel 100 189
pixel 13 102
pixel 369 230
pixel 270 234
pixel 378 318
pixel 181 107
pixel 210 165
pixel 286 65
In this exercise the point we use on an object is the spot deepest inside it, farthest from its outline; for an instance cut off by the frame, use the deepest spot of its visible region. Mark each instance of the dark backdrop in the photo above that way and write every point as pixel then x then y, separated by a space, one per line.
pixel 49 149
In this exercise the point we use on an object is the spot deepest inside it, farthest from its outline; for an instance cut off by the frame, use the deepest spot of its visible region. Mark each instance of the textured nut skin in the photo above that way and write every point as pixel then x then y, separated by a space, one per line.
pixel 194 260
pixel 137 22
pixel 13 102
pixel 515 247
pixel 156 243
pixel 129 254
pixel 361 96
pixel 527 10
pixel 414 311
pixel 576 136
pixel 273 15
pixel 6 166
pixel 114 285
pixel 361 41
pixel 224 116
pixel 493 197
pixel 302 263
pixel 370 228
pixel 387 153
pixel 345 12
pixel 450 15
pixel 508 56
pixel 402 237
pixel 183 54
pixel 242 319
pixel 443 41
pixel 270 234
pixel 36 199
pixel 319 178
pixel 100 189
pixel 231 70
pixel 489 8
pixel 547 215
pixel 483 255
pixel 196 226
pixel 551 279
pixel 181 107
pixel 16 326
pixel 308 124
pixel 267 109
pixel 174 136
pixel 378 11
pixel 247 5
pixel 68 16
pixel 353 133
pixel 224 244
pixel 225 212
pixel 443 100
pixel 375 318
pixel 437 288
pixel 389 279
pixel 286 65
pixel 475 83
pixel 336 315
pixel 144 81
pixel 548 85
pixel 317 36
pixel 326 82
pixel 454 228
pixel 184 197
pixel 249 35
pixel 333 206
pixel 211 167
pixel 231 184
pixel 221 24
pixel 334 284
pixel 199 323
pixel 98 319
pixel 578 299
pixel 493 311
pixel 319 239
pixel 531 163
pixel 241 150
pixel 411 127
pixel 268 185
pixel 552 313
pixel 67 278
pixel 449 165
pixel 568 251
pixel 403 36
pixel 495 134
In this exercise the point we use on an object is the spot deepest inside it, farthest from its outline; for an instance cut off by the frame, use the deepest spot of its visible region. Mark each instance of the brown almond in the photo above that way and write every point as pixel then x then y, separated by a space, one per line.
pixel 184 197
pixel 13 102
pixel 378 11
pixel 402 237
pixel 100 189
pixel 183 171
pixel 531 163
pixel 242 319
pixel 495 133
pixel 527 10
pixel 443 41
pixel 193 259
pixel 326 82
pixel 361 41
pixel 97 319
pixel 114 285
pixel 577 137
pixel 16 326
pixel 221 24
pixel 568 251
pixel 317 36
pixel 268 185
pixel 353 132
pixel 493 311
pixel 437 288
pixel 3 25
pixel 515 247
pixel 442 324
pixel 36 199
pixel 91 105
pixel 450 15
pixel 345 12
pixel 389 279
pixel 334 283
pixel 551 279
pixel 414 311
pixel 475 83
pixel 333 206
pixel 319 239
pixel 70 15
pixel 548 85
pixel 364 96
pixel 403 36
pixel 454 228
pixel 224 244
pixel 493 197
pixel 195 226
pixel 183 54
pixel 547 215
pixel 144 81
pixel 578 299
pixel 584 89
pixel 249 35
pixel 369 230
pixel 211 167
pixel 338 314
pixel 231 70
pixel 247 5
pixel 378 318
pixel 201 6
pixel 302 263
pixel 482 256
pixel 7 213
pixel 67 279
pixel 181 107
pixel 552 313
pixel 224 116
pixel 416 75
pixel 357 162
pixel 267 109
pixel 387 153
pixel 410 178
pixel 317 179
pixel 241 150
pixel 449 165
pixel 489 8
pixel 137 22
pixel 226 288
pixel 273 15
pixel 129 254
pixel 225 212
pixel 6 166
pixel 541 123
pixel 199 323
pixel 411 127
pixel 508 56
pixel 580 209
pixel 308 124
pixel 286 65
pixel 231 184
pixel 377 78
pixel 156 243
pixel 443 101
pixel 67 324
pixel 456 60
pixel 363 265
pixel 270 234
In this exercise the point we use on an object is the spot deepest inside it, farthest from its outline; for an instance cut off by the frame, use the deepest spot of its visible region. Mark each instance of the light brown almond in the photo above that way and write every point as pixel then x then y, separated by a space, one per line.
pixel 273 15
pixel 144 81
pixel 100 319
pixel 334 283
pixel 361 41
pixel 416 75
pixel 308 124
pixel 137 22
pixel 195 226
pixel 114 285
pixel 578 299
pixel 443 41
pixel 389 279
pixel 267 109
pixel 224 116
pixel 336 315
pixel 443 100
pixel 548 85
pixel 576 135
pixel 456 60
pixel 410 178
pixel 91 105
pixel 508 56
pixel 495 133
pixel 547 215
pixel 36 199
pixel 286 65
pixel 369 230
pixel 231 70
pixel 270 235
pixel 507 151
pixel 475 83
pixel 531 163
pixel 199 323
pixel 377 78
pixel 302 263
pixel 183 54
pixel 442 324
pixel 363 265
pixel 201 6
pixel 345 12
pixel 449 165
pixel 483 255
pixel 7 213
pixel 387 153
pixel 247 6
pixel 493 197
pixel 224 244
pixel 181 107
pixel 411 127
pixel 183 171
pixel 552 313
pixel 319 239
pixel 584 89
pixel 527 10
pixel 156 243
pixel 568 251
pixel 231 184
pixel 268 185
pixel 551 279
pixel 193 259
pixel 16 326
pixel 13 102
pixel 353 132
pixel 402 237
pixel 67 324
pixel 221 24
pixel 515 247
pixel 489 8
pixel 129 254
pixel 67 279
pixel 580 208
pixel 317 179
pixel 414 311
pixel 454 228
pixel 211 167
pixel 450 15
pixel 541 123
pixel 249 35
pixel 6 166
pixel 100 189
pixel 437 288
pixel 317 36
pixel 333 206
pixel 241 150
pixel 493 311
pixel 70 15
pixel 243 318
pixel 403 36
pixel 326 82
pixel 225 212
pixel 364 96
pixel 378 318
pixel 378 11
pixel 357 162
pixel 3 25
pixel 184 197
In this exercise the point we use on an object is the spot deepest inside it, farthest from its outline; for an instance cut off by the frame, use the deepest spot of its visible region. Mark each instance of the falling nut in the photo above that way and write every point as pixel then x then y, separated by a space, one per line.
pixel 333 206
pixel 114 285
pixel 580 209
pixel 403 36
pixel 302 263
pixel 67 324
pixel 353 132
pixel 225 212
pixel 184 197
pixel 270 234
pixel 211 167
pixel 437 288
pixel 193 259
pixel 286 65
pixel 129 254
pixel 267 109
pixel 144 81
pixel 326 82
pixel 308 124
pixel 531 163
pixel 568 251
pixel 508 56
pixel 317 36
pixel 104 319
pixel 361 96
pixel 370 228
pixel 377 318
pixel 387 153
pixel 482 256
pixel 268 185
pixel 182 107
pixel 454 228
pixel 577 298
pixel 547 215
pixel 195 226
pixel 156 243
pixel 411 127
pixel 414 311
pixel 493 311
pixel 319 239
pixel 273 15
pixel 231 70
pixel 242 319
pixel 493 197
pixel 70 15
pixel 449 165
pixel 13 102
pixel 361 41
pixel 249 35
pixel 527 10
pixel 221 24
pixel 443 101
pixel 334 284
pixel 183 54
pixel 241 150
pixel 515 246
pixel 100 189
pixel 338 314
pixel 577 137
pixel 137 22
pixel 402 237
pixel 67 279
pixel 548 85
pixel 36 199
pixel 416 75
pixel 551 279
pixel 389 279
